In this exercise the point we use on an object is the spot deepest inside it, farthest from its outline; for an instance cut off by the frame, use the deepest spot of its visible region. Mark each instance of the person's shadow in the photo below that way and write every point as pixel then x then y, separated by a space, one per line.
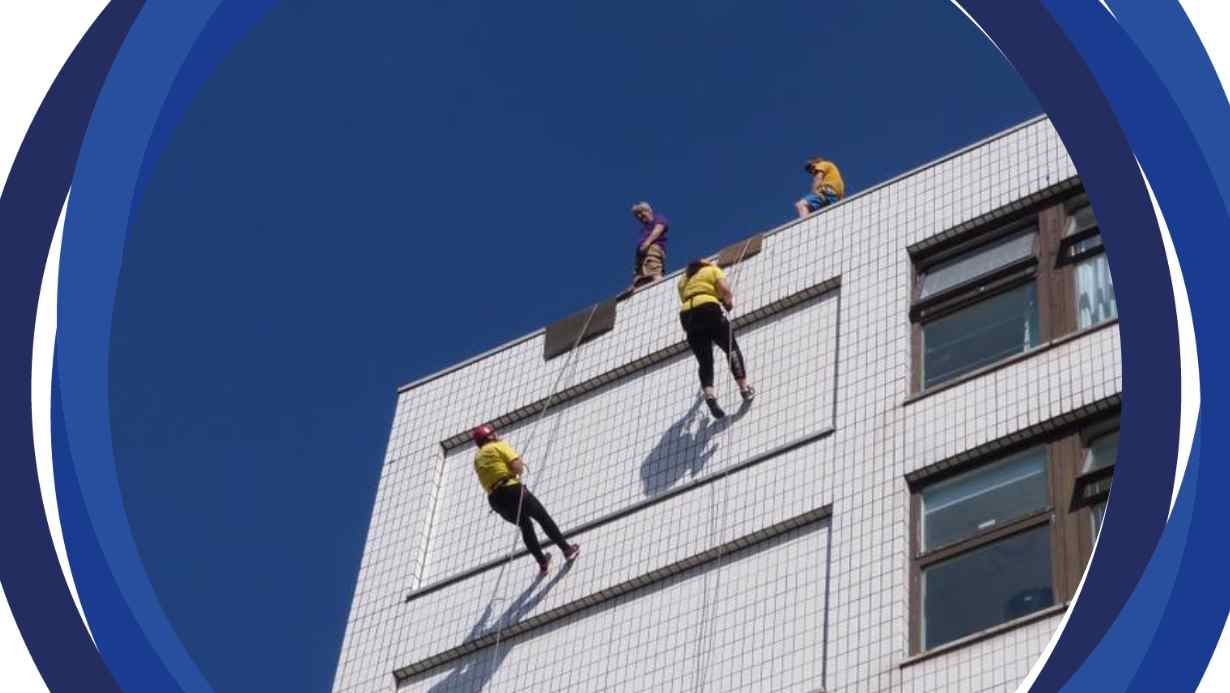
pixel 681 452
pixel 474 672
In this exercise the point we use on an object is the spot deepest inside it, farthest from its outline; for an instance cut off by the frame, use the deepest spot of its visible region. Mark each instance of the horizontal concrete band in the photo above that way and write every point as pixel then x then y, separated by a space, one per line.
pixel 1019 440
pixel 1008 212
pixel 624 512
pixel 643 363
pixel 626 587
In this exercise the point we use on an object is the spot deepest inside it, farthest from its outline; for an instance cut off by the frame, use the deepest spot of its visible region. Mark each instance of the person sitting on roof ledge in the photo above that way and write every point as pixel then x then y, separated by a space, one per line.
pixel 704 292
pixel 499 470
pixel 650 260
pixel 827 186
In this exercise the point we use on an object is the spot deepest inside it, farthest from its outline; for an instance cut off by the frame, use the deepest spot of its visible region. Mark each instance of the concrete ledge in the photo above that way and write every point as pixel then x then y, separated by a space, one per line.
pixel 626 587
pixel 1009 212
pixel 643 363
pixel 960 643
pixel 624 512
pixel 1024 438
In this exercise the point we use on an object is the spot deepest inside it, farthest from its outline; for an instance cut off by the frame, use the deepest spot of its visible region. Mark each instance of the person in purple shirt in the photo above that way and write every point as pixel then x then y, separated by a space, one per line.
pixel 651 251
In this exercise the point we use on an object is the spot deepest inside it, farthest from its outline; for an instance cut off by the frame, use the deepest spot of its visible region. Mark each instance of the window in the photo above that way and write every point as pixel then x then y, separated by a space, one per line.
pixel 978 307
pixel 1097 514
pixel 986 547
pixel 998 582
pixel 972 266
pixel 998 539
pixel 1006 289
pixel 981 334
pixel 1092 485
pixel 1082 246
pixel 991 497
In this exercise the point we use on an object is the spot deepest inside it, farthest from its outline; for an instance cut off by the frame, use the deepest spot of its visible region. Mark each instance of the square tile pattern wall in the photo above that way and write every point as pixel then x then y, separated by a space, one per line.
pixel 644 479
pixel 752 621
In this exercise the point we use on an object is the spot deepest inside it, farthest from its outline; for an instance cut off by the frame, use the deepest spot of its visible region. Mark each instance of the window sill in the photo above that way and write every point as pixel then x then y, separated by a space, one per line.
pixel 1009 361
pixel 981 635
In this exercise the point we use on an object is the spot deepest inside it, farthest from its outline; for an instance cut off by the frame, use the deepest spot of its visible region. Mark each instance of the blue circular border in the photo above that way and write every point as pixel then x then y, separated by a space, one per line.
pixel 29 209
pixel 1131 93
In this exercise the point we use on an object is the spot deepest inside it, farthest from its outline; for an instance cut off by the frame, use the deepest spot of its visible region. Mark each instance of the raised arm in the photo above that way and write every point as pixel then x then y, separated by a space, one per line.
pixel 653 236
pixel 724 293
pixel 517 467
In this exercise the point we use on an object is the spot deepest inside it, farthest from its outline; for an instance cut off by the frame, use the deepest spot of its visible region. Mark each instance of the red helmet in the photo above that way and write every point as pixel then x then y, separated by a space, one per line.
pixel 481 433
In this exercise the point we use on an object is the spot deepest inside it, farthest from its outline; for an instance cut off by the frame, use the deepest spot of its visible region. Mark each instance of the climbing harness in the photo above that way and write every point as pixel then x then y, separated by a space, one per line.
pixel 569 368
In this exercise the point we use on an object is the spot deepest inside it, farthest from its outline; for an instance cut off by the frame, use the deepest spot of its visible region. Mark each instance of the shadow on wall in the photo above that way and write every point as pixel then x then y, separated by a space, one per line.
pixel 680 451
pixel 474 672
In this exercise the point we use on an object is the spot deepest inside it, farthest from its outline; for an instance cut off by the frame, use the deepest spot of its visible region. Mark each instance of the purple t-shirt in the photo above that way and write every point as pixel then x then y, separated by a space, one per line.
pixel 648 226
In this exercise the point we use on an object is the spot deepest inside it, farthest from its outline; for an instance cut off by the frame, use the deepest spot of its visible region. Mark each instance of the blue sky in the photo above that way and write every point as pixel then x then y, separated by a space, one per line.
pixel 366 192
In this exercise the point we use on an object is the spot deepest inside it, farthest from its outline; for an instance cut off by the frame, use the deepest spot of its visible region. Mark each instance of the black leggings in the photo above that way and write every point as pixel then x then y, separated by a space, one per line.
pixel 706 326
pixel 504 500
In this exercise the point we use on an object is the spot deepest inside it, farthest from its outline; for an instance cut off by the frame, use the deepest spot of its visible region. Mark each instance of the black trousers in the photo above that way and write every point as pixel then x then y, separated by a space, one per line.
pixel 504 501
pixel 706 325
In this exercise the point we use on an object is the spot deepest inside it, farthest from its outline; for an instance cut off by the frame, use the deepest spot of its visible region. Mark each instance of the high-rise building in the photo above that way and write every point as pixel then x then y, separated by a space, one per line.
pixel 908 504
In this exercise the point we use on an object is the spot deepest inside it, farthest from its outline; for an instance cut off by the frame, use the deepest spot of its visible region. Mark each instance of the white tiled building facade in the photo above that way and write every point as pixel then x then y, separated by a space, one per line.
pixel 772 551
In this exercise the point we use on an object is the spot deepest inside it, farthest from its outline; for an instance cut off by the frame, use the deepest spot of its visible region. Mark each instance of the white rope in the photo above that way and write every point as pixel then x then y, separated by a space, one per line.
pixel 705 653
pixel 717 519
pixel 569 365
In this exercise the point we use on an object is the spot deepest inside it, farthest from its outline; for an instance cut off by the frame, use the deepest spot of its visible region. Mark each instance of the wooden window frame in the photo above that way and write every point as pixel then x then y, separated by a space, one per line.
pixel 1093 487
pixel 1052 269
pixel 1071 533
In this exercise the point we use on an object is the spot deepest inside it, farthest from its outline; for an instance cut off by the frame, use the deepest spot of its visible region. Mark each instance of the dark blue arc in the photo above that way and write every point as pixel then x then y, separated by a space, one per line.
pixel 228 24
pixel 29 209
pixel 1030 37
pixel 1171 625
pixel 1035 44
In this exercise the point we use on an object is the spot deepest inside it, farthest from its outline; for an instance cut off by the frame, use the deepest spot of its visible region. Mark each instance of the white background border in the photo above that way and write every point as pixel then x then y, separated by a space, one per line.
pixel 35 40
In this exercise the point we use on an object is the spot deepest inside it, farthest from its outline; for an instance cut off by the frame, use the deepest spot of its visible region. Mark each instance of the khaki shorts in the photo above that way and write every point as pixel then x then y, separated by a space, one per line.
pixel 649 265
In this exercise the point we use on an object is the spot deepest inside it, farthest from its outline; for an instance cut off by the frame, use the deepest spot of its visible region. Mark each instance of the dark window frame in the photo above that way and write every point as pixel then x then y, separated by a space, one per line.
pixel 1052 269
pixel 977 289
pixel 1070 258
pixel 1071 528
pixel 1067 253
pixel 1093 487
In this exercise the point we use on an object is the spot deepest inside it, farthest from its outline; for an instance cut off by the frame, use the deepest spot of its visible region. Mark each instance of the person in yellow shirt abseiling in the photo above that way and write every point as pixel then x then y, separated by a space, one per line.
pixel 499 470
pixel 704 292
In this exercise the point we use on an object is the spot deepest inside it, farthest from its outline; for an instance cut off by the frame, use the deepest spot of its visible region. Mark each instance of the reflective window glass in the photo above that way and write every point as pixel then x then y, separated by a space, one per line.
pixel 993 584
pixel 975 264
pixel 1098 514
pixel 1102 452
pixel 984 499
pixel 1080 219
pixel 1095 293
pixel 980 334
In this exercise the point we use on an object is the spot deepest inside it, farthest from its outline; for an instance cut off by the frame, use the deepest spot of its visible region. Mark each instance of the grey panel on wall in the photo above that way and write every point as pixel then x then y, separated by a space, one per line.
pixel 562 334
pixel 735 252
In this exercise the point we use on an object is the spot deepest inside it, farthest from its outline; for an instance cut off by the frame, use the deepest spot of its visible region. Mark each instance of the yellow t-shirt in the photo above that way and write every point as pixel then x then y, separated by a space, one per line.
pixel 827 175
pixel 700 288
pixel 491 464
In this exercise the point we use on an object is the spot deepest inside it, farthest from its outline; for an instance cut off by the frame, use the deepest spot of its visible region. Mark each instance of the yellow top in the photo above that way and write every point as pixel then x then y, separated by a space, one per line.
pixel 827 176
pixel 700 288
pixel 491 464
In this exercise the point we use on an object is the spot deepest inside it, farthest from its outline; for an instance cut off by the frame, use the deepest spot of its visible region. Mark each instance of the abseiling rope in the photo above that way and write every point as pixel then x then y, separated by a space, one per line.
pixel 703 656
pixel 568 366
